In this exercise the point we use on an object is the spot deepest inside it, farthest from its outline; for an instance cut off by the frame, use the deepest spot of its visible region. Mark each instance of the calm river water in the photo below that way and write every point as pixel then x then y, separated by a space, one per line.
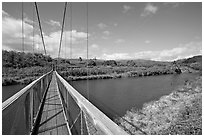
pixel 115 96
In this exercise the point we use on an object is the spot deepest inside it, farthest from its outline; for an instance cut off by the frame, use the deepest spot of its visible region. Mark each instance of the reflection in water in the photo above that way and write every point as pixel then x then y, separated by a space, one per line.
pixel 115 96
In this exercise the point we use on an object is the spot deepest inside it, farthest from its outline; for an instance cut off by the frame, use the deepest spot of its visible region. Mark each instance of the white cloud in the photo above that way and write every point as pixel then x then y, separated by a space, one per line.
pixel 78 34
pixel 173 4
pixel 27 20
pixel 12 37
pixel 53 23
pixel 183 51
pixel 95 46
pixel 115 24
pixel 106 32
pixel 12 33
pixel 13 27
pixel 115 56
pixel 119 41
pixel 102 25
pixel 104 37
pixel 126 8
pixel 149 9
pixel 52 40
pixel 147 41
pixel 4 13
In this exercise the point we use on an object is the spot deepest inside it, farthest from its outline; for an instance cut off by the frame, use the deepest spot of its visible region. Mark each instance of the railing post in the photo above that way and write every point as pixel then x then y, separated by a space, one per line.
pixel 42 87
pixel 81 122
pixel 47 80
pixel 20 110
pixel 31 108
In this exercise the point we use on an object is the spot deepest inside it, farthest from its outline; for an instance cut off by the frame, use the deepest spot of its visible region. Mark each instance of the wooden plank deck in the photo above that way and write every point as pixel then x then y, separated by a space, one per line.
pixel 53 120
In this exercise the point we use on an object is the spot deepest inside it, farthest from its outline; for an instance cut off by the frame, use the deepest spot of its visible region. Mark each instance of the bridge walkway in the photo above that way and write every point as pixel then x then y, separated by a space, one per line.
pixel 52 118
pixel 51 106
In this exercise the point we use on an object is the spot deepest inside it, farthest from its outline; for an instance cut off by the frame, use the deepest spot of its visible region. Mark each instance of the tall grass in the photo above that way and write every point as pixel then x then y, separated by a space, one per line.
pixel 177 113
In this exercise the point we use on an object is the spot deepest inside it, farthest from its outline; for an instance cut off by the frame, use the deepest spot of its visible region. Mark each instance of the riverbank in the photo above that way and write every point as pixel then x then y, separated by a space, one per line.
pixel 13 76
pixel 16 80
pixel 23 68
pixel 115 75
pixel 177 113
pixel 119 72
pixel 27 75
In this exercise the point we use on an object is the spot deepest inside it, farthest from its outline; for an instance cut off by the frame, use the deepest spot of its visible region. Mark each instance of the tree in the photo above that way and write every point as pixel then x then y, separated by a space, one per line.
pixel 80 59
pixel 110 63
pixel 91 63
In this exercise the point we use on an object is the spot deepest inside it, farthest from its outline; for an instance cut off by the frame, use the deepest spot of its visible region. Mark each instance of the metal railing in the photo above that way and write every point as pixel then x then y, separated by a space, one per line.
pixel 20 111
pixel 83 117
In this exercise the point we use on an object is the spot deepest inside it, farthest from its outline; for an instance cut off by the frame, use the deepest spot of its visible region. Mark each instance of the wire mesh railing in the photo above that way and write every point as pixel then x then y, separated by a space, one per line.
pixel 83 117
pixel 20 111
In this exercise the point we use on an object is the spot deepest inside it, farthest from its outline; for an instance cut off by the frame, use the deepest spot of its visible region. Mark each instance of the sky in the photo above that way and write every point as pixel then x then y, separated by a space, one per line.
pixel 116 30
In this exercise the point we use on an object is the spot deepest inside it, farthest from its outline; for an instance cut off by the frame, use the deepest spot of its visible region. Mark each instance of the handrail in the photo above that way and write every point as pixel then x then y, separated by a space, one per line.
pixel 99 118
pixel 20 112
pixel 13 98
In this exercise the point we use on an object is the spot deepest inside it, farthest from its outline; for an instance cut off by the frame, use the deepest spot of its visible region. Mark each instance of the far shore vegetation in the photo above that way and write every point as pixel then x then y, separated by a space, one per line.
pixel 180 112
pixel 23 68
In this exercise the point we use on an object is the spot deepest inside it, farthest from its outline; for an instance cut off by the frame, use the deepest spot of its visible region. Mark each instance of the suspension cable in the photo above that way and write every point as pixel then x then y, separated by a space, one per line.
pixel 65 35
pixel 40 26
pixel 22 28
pixel 87 48
pixel 33 26
pixel 70 30
pixel 62 29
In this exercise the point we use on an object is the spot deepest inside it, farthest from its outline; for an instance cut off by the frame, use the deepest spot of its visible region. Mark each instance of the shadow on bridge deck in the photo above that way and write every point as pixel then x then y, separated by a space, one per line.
pixel 51 106
pixel 52 120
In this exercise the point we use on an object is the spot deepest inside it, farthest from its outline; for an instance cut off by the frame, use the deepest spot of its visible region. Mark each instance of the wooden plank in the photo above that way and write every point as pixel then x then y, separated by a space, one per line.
pixel 52 121
pixel 51 113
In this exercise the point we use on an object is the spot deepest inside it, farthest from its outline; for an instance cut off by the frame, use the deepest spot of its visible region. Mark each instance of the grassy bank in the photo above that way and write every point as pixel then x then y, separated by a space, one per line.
pixel 19 67
pixel 177 113
pixel 12 76
pixel 113 72
pixel 28 74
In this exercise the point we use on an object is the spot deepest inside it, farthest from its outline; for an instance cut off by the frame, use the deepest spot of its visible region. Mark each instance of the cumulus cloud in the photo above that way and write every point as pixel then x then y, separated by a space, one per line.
pixel 52 40
pixel 173 4
pixel 104 37
pixel 13 27
pixel 126 8
pixel 147 41
pixel 182 51
pixel 53 23
pixel 12 37
pixel 4 13
pixel 29 21
pixel 95 46
pixel 102 25
pixel 115 56
pixel 106 32
pixel 12 33
pixel 115 24
pixel 149 9
pixel 119 41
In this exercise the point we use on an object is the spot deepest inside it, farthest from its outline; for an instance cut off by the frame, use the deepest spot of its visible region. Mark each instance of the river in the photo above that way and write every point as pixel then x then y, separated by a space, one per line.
pixel 8 91
pixel 115 96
